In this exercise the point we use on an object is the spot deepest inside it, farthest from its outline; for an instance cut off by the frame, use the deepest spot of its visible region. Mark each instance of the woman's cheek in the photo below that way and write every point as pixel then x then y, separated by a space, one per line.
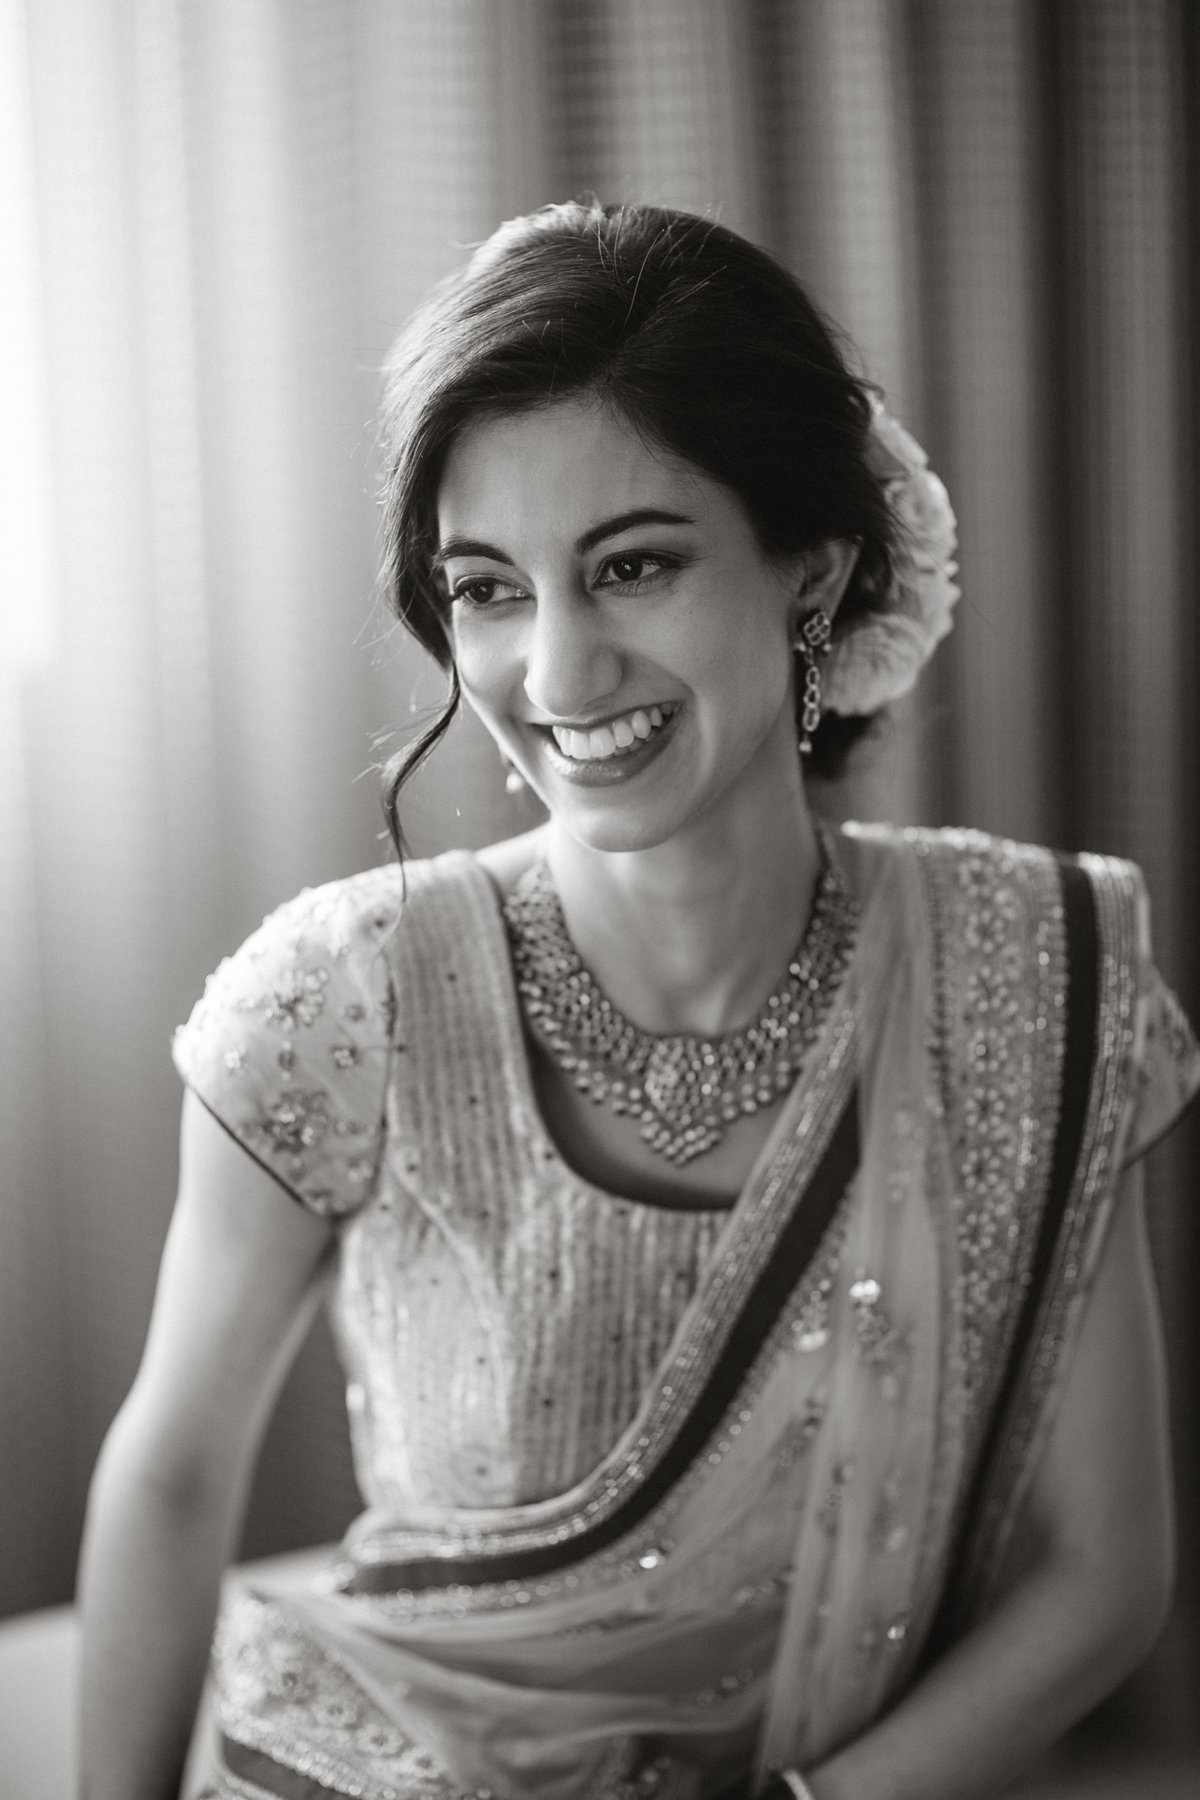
pixel 481 661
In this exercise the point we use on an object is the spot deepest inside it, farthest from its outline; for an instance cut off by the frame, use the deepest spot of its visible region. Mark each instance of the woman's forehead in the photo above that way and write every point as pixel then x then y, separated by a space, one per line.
pixel 560 468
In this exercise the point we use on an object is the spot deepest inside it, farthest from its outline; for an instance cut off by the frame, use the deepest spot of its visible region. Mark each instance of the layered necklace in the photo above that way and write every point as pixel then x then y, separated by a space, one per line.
pixel 685 1090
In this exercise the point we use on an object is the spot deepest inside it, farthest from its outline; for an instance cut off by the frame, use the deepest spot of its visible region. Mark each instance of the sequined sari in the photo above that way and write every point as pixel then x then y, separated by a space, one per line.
pixel 822 1471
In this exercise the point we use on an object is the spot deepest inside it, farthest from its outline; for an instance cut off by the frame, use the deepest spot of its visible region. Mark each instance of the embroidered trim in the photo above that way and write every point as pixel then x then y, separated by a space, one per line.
pixel 1002 936
pixel 999 962
pixel 1100 892
pixel 297 1725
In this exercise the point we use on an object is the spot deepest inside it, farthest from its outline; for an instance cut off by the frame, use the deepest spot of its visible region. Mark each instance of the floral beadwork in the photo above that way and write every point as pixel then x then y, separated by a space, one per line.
pixel 298 998
pixel 296 1121
pixel 283 1694
pixel 290 1044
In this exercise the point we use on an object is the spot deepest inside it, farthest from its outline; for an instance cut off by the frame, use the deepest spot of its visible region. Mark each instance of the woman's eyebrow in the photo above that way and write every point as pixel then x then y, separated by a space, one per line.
pixel 641 515
pixel 467 547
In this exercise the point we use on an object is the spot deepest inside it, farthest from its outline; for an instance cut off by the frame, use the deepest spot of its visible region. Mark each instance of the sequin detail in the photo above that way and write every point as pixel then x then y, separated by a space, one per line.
pixel 293 1065
pixel 297 999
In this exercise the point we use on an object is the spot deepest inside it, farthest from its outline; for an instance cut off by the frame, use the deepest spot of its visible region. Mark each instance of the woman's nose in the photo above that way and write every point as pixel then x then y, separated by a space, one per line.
pixel 571 664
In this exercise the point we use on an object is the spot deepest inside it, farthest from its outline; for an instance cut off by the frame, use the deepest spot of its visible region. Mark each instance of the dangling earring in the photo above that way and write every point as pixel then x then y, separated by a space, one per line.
pixel 810 642
pixel 514 781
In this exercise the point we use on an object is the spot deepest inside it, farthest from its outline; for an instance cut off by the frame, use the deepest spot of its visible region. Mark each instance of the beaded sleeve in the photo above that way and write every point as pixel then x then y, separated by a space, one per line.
pixel 289 1044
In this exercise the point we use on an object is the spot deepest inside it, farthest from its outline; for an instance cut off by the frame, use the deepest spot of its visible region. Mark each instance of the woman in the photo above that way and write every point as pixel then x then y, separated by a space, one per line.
pixel 732 1224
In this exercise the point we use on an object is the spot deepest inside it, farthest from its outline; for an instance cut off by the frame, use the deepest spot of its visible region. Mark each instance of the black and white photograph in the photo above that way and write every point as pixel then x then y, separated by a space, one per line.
pixel 599 865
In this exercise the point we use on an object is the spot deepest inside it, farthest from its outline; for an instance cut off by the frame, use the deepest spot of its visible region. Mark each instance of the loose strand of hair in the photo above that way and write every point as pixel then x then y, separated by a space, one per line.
pixel 399 768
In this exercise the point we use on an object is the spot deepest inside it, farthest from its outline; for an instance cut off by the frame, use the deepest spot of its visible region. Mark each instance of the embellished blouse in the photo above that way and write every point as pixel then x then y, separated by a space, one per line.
pixel 499 1316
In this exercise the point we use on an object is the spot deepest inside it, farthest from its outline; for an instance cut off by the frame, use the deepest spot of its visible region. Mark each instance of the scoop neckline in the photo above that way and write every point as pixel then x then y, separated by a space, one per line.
pixel 547 1150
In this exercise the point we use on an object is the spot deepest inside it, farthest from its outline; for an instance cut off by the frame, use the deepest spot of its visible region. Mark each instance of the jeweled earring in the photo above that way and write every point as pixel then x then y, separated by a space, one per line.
pixel 810 642
pixel 514 781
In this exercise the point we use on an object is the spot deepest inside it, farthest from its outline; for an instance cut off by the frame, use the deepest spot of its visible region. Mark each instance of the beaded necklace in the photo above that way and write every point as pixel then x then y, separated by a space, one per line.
pixel 686 1090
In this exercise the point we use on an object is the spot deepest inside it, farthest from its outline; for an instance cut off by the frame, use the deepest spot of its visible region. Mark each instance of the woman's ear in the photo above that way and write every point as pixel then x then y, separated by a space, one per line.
pixel 825 573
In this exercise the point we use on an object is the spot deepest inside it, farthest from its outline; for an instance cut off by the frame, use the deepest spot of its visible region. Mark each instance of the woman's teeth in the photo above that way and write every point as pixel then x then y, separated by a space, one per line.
pixel 612 739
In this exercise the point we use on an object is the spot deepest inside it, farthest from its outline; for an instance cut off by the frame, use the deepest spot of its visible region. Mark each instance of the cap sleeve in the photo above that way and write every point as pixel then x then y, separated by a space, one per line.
pixel 289 1044
pixel 1166 1054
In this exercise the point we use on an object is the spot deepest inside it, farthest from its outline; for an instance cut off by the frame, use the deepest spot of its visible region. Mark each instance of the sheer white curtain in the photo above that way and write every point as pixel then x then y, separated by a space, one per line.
pixel 223 212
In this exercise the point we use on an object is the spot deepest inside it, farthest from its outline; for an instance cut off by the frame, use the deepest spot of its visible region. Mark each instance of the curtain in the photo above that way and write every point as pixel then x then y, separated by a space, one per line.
pixel 215 213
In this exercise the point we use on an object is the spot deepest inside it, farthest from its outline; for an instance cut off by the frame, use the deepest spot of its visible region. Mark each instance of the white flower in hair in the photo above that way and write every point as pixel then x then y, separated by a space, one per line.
pixel 880 656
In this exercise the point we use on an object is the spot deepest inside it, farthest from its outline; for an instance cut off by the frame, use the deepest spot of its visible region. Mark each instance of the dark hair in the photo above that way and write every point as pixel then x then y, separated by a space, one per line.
pixel 696 336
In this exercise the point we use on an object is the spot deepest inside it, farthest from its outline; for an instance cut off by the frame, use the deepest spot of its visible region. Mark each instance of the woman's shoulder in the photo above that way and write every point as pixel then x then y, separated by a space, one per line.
pixel 289 1044
pixel 978 868
pixel 360 914
pixel 957 845
pixel 334 948
pixel 1008 921
pixel 1005 914
pixel 367 907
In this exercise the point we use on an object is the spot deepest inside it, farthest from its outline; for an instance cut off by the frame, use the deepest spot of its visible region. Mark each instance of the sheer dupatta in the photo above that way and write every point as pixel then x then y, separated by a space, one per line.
pixel 1028 1017
pixel 871 1538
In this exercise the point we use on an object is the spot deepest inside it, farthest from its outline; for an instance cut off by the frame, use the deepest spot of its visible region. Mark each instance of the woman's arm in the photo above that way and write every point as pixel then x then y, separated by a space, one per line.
pixel 237 1287
pixel 1093 1590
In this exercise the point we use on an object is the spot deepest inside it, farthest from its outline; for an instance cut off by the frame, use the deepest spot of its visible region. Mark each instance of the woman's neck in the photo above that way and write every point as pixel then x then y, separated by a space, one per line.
pixel 694 934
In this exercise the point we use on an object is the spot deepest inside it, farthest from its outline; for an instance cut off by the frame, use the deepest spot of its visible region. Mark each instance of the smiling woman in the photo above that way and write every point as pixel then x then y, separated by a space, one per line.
pixel 711 358
pixel 733 1224
pixel 611 601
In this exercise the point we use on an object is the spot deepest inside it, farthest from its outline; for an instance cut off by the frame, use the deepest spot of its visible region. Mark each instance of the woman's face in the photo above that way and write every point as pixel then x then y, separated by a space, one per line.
pixel 615 623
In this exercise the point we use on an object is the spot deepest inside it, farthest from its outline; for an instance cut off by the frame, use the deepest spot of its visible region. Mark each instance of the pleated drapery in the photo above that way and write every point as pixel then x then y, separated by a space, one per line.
pixel 218 214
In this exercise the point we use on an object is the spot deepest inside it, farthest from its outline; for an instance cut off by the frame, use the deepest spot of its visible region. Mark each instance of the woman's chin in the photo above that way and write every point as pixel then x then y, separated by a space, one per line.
pixel 618 818
pixel 614 828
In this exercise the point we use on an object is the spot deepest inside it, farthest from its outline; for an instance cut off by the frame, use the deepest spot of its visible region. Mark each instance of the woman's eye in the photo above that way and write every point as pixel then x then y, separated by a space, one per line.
pixel 479 591
pixel 634 569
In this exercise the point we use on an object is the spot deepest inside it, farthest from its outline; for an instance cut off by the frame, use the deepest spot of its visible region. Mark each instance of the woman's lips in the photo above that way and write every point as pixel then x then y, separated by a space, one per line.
pixel 614 738
pixel 598 757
